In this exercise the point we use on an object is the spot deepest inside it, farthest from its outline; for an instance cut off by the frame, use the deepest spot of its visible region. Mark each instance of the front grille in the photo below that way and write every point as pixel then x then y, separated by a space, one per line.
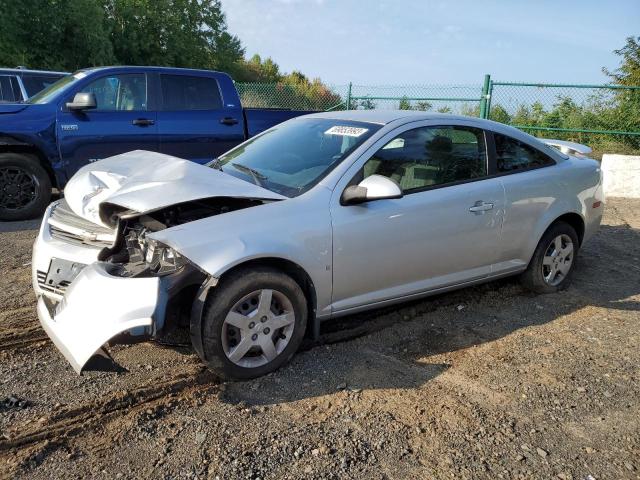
pixel 70 228
pixel 58 289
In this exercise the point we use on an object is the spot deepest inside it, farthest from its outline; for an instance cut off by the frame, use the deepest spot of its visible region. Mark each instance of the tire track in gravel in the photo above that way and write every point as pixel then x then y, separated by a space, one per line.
pixel 23 446
pixel 62 425
pixel 19 337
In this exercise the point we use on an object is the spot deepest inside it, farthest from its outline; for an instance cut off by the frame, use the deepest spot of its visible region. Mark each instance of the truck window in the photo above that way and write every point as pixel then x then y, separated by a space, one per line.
pixel 35 83
pixel 120 92
pixel 7 93
pixel 184 92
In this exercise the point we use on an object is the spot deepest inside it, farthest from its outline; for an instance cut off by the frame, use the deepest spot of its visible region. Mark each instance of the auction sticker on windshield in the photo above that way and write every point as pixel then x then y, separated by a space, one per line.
pixel 346 131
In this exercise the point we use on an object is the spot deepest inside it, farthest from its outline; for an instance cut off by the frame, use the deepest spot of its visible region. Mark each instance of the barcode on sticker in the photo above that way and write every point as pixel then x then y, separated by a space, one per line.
pixel 346 131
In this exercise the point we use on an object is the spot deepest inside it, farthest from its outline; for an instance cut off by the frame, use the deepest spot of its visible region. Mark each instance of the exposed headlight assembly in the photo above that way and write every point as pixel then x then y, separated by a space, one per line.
pixel 162 259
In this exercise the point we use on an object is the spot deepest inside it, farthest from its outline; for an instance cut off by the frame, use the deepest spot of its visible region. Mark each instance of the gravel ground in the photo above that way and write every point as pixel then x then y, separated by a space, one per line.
pixel 487 382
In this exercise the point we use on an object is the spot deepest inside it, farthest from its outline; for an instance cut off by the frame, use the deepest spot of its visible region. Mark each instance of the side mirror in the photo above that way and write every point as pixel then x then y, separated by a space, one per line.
pixel 374 187
pixel 82 101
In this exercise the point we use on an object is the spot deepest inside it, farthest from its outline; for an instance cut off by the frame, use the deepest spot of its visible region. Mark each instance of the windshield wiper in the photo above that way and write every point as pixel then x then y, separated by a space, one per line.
pixel 215 164
pixel 257 176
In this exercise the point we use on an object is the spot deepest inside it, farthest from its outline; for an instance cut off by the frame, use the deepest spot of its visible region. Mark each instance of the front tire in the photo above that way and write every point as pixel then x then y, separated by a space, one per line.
pixel 553 261
pixel 25 187
pixel 253 322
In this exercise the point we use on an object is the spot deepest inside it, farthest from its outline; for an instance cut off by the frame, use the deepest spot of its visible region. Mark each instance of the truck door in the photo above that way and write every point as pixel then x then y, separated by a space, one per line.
pixel 122 121
pixel 193 120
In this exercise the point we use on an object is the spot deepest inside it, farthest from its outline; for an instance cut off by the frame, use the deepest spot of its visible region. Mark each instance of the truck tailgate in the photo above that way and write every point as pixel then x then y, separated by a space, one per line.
pixel 258 120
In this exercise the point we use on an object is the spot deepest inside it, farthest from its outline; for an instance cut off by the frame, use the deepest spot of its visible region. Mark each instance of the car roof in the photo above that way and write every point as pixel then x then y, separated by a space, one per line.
pixel 26 70
pixel 149 68
pixel 385 117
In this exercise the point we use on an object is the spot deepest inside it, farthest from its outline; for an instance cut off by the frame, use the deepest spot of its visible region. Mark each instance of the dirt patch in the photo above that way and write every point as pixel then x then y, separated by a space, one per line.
pixel 487 382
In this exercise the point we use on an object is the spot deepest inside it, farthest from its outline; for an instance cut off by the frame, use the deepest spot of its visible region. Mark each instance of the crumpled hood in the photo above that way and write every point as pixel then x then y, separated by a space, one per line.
pixel 144 181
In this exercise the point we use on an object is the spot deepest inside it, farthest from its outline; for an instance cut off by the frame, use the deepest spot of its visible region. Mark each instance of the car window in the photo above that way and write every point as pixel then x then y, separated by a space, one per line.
pixel 431 156
pixel 513 155
pixel 293 156
pixel 119 92
pixel 7 92
pixel 184 92
pixel 35 83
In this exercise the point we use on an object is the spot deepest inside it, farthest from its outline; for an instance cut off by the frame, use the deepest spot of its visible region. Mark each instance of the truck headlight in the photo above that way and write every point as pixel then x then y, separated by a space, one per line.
pixel 162 259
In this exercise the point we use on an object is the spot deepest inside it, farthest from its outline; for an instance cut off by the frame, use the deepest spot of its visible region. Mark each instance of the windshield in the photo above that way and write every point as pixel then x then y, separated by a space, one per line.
pixel 52 90
pixel 294 156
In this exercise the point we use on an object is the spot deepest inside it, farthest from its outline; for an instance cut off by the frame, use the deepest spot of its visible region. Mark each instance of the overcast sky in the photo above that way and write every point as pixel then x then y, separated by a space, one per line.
pixel 378 42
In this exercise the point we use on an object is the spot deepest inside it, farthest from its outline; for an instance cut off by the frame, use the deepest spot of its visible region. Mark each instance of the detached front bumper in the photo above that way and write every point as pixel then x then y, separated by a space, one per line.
pixel 98 306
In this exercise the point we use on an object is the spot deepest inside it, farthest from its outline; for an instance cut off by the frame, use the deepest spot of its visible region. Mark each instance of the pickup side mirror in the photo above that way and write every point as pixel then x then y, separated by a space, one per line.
pixel 83 101
pixel 374 187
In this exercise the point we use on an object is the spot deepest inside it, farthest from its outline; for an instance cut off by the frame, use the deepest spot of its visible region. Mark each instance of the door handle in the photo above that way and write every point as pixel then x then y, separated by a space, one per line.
pixel 480 207
pixel 229 121
pixel 143 122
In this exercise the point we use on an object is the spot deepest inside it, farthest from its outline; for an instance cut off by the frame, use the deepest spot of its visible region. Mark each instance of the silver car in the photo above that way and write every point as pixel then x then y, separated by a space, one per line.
pixel 318 217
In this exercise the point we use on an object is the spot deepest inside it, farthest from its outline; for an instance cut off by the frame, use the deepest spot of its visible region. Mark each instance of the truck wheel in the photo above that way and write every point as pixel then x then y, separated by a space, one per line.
pixel 553 261
pixel 25 187
pixel 253 322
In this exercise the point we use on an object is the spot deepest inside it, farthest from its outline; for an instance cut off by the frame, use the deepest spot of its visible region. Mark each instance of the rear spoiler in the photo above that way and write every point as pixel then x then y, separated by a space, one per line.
pixel 569 148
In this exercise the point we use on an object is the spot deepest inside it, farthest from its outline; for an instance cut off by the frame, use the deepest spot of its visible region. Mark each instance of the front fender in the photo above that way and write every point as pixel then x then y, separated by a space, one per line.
pixel 297 230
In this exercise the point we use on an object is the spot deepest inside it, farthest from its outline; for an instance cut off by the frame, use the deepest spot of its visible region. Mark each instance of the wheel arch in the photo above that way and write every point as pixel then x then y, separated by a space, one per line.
pixel 7 146
pixel 572 218
pixel 296 272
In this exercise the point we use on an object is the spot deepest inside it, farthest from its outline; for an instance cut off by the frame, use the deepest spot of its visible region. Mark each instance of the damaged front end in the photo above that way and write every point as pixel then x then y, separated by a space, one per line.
pixel 133 289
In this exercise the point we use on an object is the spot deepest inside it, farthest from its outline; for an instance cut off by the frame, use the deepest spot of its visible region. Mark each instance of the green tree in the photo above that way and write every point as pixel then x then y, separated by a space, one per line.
pixel 54 35
pixel 404 104
pixel 625 113
pixel 423 106
pixel 470 110
pixel 499 114
pixel 180 33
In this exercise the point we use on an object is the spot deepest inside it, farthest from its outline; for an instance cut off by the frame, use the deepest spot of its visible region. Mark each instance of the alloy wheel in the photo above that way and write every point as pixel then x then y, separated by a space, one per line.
pixel 18 188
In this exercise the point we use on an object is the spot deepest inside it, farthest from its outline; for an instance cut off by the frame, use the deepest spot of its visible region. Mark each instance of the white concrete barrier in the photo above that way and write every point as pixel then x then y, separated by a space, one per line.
pixel 621 175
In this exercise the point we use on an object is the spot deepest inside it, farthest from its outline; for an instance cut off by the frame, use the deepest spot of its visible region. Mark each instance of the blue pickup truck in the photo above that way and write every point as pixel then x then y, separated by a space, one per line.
pixel 100 112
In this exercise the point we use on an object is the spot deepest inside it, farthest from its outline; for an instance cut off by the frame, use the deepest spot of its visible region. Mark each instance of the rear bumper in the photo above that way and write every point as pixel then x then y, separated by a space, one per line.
pixel 96 307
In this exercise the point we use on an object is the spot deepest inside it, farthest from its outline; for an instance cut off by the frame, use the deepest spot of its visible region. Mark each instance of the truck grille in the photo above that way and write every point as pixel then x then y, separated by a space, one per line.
pixel 58 289
pixel 67 226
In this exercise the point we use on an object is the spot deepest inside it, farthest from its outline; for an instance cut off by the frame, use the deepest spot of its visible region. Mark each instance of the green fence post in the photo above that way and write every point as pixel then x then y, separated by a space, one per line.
pixel 484 111
pixel 489 97
pixel 348 106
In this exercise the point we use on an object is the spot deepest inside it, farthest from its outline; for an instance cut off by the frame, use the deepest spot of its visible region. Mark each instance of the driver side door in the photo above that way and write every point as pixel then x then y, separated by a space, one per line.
pixel 444 231
pixel 122 121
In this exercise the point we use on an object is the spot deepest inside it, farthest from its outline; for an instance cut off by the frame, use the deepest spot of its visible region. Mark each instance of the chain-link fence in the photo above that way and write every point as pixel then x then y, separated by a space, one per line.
pixel 606 117
pixel 312 97
pixel 455 99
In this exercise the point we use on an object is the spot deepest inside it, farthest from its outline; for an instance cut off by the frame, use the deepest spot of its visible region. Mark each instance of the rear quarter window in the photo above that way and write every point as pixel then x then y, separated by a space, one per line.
pixel 184 92
pixel 513 155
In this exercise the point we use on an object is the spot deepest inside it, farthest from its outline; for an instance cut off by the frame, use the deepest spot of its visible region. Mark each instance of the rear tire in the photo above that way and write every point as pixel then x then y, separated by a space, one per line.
pixel 25 187
pixel 253 322
pixel 553 261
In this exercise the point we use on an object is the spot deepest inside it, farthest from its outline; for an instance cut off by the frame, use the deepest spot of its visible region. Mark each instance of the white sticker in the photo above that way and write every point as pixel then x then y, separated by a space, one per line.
pixel 79 75
pixel 346 131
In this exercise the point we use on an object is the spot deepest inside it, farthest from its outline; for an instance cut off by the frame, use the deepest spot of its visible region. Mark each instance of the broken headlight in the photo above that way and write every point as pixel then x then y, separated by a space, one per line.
pixel 162 259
